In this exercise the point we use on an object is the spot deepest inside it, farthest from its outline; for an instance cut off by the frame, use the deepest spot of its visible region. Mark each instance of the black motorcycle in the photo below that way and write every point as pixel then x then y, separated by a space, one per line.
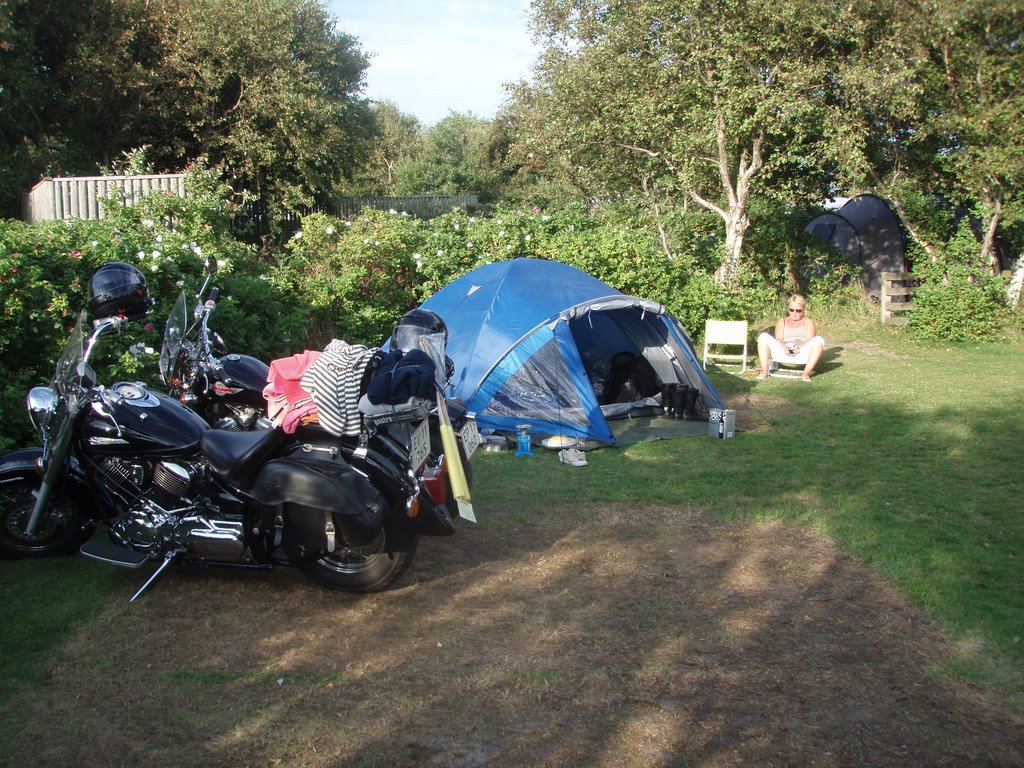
pixel 225 388
pixel 133 477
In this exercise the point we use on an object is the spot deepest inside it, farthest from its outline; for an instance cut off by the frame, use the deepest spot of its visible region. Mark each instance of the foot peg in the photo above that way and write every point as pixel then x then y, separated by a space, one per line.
pixel 103 549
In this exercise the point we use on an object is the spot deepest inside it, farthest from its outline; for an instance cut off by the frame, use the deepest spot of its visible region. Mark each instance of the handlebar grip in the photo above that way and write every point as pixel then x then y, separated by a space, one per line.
pixel 214 293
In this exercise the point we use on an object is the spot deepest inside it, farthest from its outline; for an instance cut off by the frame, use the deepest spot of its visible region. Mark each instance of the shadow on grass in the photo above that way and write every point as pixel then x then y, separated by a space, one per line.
pixel 630 635
pixel 671 603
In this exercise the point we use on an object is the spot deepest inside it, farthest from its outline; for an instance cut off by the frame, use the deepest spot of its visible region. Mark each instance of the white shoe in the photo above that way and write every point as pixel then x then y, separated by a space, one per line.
pixel 573 457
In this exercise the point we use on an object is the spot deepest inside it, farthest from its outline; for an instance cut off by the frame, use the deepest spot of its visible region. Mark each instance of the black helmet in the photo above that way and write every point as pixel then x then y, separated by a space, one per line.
pixel 414 324
pixel 117 289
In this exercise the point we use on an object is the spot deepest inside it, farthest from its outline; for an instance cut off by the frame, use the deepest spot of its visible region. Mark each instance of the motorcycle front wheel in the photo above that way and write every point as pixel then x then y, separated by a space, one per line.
pixel 60 531
pixel 369 568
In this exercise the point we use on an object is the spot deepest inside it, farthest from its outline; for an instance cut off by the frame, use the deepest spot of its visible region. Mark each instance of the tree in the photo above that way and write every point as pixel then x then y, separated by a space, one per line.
pixel 396 137
pixel 69 77
pixel 266 89
pixel 274 99
pixel 710 99
pixel 545 178
pixel 953 134
pixel 456 158
pixel 977 49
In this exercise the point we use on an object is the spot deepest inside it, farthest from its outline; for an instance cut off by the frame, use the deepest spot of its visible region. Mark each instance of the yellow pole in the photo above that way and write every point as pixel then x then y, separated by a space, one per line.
pixel 451 448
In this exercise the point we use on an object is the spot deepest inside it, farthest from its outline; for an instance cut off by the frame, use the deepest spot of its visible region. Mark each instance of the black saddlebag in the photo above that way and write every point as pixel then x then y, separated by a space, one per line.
pixel 321 504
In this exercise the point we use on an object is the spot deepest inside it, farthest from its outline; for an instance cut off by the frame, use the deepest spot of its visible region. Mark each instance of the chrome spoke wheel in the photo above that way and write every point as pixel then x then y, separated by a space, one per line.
pixel 366 568
pixel 58 531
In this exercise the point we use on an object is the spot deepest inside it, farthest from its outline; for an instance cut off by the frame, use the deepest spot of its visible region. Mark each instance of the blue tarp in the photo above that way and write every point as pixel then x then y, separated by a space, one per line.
pixel 541 343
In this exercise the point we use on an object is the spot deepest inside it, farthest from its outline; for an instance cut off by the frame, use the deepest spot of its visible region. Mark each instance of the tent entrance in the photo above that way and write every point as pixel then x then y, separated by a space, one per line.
pixel 628 354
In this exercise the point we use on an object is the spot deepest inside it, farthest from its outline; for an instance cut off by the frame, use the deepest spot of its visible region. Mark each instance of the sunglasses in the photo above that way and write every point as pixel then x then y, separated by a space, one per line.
pixel 796 309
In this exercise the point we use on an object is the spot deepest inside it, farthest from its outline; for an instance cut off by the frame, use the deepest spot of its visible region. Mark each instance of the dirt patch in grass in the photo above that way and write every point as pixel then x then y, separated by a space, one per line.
pixel 622 636
pixel 869 349
pixel 759 410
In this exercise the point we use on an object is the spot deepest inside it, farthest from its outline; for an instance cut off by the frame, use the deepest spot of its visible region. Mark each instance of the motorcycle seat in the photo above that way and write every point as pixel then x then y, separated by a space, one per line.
pixel 235 456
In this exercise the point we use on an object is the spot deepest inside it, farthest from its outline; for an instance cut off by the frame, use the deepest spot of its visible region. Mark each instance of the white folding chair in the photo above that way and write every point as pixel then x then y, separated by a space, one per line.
pixel 787 366
pixel 719 334
pixel 785 369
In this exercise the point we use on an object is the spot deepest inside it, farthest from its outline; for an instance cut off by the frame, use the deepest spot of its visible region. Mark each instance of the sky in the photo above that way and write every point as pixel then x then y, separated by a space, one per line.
pixel 432 58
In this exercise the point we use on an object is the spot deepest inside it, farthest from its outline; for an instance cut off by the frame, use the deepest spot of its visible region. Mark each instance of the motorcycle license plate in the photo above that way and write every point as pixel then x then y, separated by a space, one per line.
pixel 470 435
pixel 420 447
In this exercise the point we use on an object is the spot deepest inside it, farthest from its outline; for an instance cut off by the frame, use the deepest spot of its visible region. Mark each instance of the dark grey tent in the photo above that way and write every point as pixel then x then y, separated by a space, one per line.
pixel 838 233
pixel 869 234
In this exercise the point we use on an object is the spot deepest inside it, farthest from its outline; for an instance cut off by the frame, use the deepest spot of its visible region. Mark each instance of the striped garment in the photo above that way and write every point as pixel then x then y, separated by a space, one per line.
pixel 333 382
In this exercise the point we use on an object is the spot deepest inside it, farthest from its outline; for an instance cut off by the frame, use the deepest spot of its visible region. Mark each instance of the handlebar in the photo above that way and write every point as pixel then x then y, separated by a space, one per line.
pixel 204 310
pixel 206 342
pixel 104 324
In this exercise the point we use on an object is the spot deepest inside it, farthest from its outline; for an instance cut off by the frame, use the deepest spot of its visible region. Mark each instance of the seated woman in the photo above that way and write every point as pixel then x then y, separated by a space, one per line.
pixel 796 340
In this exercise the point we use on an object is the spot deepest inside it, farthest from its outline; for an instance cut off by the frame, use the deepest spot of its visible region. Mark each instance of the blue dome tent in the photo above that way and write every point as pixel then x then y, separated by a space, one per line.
pixel 541 343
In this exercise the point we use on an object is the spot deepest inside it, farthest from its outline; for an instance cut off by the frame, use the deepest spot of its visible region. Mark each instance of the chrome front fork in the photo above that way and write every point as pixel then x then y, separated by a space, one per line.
pixel 42 494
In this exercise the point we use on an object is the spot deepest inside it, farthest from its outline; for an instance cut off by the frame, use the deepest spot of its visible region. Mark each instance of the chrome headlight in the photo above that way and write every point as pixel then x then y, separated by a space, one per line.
pixel 41 402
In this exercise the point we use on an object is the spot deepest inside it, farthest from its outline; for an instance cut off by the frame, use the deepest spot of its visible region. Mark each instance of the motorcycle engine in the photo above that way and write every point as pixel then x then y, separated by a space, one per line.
pixel 163 510
pixel 167 483
pixel 153 494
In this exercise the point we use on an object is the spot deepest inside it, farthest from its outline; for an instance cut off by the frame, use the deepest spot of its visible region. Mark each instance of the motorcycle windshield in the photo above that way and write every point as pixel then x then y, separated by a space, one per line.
pixel 67 384
pixel 434 345
pixel 174 334
pixel 67 376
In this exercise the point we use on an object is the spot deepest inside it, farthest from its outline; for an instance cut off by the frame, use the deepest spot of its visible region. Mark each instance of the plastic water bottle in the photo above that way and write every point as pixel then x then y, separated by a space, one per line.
pixel 523 440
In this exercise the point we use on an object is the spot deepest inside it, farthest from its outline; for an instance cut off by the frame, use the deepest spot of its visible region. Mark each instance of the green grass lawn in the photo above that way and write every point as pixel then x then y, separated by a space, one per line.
pixel 907 455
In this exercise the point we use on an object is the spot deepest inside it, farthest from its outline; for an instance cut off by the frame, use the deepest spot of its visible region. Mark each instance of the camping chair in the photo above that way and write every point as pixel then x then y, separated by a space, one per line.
pixel 785 369
pixel 725 333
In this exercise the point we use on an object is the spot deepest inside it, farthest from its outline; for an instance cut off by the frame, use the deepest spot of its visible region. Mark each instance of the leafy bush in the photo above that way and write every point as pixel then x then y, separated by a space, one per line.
pixel 332 279
pixel 702 298
pixel 956 304
pixel 44 276
pixel 255 318
pixel 356 278
pixel 960 299
pixel 456 243
pixel 783 256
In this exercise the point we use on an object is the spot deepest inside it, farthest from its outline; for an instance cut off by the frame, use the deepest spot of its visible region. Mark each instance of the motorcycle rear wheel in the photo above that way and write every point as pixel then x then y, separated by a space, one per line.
pixel 61 530
pixel 370 568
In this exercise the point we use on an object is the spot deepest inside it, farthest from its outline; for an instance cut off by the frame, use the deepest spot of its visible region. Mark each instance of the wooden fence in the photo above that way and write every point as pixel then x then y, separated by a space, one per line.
pixel 897 296
pixel 81 197
pixel 422 206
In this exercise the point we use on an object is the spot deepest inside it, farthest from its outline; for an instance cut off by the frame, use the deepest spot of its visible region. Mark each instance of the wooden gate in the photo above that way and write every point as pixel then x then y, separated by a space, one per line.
pixel 898 290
